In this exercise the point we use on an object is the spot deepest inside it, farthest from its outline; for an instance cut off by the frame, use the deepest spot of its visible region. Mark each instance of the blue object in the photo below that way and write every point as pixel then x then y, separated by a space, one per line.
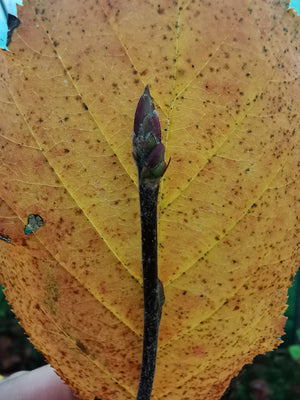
pixel 296 5
pixel 6 7
pixel 27 230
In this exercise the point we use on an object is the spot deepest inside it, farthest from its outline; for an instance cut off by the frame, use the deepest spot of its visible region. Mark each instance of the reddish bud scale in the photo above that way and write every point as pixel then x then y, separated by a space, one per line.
pixel 148 151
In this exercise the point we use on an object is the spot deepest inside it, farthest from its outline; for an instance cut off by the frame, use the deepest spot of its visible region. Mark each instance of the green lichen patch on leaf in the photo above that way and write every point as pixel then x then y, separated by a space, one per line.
pixel 34 222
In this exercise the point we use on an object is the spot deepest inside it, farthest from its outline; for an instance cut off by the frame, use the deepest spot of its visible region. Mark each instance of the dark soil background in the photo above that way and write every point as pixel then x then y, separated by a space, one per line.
pixel 273 376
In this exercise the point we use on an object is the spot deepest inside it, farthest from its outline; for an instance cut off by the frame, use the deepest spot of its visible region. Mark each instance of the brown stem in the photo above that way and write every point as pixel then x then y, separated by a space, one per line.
pixel 153 289
pixel 148 154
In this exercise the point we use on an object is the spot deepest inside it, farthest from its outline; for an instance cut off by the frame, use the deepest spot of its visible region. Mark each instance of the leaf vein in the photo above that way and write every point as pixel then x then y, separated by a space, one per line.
pixel 228 232
pixel 79 94
pixel 78 204
pixel 215 150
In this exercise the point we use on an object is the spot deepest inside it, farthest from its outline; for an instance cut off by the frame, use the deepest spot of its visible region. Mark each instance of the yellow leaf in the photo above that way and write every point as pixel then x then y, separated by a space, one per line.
pixel 225 81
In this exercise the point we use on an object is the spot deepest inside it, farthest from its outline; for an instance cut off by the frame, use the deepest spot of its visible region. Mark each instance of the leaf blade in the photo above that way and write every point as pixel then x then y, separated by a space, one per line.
pixel 208 272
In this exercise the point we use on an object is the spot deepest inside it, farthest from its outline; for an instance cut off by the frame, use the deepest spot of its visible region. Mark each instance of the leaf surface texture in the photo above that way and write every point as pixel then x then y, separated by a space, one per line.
pixel 225 82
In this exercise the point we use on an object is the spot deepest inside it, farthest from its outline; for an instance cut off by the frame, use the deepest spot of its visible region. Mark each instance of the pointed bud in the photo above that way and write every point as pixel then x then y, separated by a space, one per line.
pixel 147 132
pixel 146 116
pixel 148 151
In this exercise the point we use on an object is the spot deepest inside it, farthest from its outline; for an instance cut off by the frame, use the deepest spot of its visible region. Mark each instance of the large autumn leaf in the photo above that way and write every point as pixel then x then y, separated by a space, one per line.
pixel 224 78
